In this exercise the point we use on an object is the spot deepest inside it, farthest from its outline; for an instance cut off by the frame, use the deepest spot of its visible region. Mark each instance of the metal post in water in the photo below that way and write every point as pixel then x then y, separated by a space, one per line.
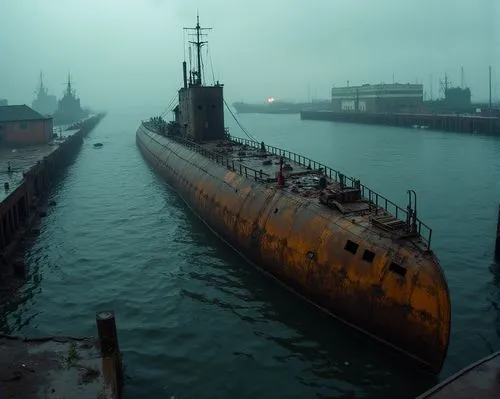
pixel 108 342
pixel 489 70
pixel 497 244
pixel 106 329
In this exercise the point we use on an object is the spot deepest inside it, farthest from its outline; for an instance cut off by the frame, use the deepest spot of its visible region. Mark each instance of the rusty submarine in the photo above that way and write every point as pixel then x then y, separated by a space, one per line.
pixel 341 246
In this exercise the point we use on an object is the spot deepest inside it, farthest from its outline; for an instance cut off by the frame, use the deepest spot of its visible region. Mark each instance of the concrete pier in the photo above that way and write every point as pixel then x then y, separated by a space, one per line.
pixel 26 174
pixel 446 122
pixel 57 367
pixel 479 380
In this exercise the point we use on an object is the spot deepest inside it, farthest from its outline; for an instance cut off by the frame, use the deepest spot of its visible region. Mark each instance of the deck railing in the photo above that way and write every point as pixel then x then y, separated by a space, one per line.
pixel 220 159
pixel 424 231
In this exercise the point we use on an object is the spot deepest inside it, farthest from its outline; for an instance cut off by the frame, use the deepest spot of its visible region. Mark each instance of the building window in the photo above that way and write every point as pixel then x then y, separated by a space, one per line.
pixel 23 125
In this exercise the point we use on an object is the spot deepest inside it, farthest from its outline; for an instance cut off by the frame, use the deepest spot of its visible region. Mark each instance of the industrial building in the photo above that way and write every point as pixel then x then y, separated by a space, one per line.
pixel 21 125
pixel 456 100
pixel 379 98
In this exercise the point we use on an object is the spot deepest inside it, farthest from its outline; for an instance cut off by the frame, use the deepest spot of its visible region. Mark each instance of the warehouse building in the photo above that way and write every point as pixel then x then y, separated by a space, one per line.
pixel 379 98
pixel 21 125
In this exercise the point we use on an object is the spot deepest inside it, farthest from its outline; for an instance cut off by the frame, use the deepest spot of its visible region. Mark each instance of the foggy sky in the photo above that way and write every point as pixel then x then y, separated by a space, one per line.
pixel 129 53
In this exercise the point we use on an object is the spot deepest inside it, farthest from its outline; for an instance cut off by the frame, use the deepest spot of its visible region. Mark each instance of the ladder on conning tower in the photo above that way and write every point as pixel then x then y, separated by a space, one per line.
pixel 391 223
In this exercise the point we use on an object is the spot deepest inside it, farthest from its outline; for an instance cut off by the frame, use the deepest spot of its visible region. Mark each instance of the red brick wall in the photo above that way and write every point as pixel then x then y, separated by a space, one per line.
pixel 25 133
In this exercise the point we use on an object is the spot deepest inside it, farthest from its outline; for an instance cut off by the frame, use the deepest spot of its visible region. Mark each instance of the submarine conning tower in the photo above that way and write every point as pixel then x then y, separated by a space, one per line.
pixel 200 113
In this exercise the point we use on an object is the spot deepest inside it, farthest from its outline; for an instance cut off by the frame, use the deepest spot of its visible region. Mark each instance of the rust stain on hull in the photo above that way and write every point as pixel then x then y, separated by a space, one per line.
pixel 303 244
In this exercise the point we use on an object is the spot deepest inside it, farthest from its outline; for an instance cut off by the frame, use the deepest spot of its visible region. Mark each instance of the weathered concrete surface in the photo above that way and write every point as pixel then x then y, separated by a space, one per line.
pixel 33 171
pixel 480 380
pixel 54 368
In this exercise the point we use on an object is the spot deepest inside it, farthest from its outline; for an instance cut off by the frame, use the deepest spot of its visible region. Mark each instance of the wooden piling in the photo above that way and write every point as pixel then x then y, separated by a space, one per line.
pixel 110 350
pixel 106 329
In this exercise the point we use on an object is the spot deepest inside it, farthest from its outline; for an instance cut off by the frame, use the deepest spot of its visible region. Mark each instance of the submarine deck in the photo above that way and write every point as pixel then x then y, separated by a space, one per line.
pixel 302 177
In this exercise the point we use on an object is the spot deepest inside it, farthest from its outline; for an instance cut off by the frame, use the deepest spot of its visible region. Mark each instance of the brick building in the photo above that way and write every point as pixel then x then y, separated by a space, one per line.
pixel 21 125
pixel 379 98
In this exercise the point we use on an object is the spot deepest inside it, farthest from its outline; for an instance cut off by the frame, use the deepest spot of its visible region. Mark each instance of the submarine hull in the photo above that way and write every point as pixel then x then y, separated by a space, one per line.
pixel 302 244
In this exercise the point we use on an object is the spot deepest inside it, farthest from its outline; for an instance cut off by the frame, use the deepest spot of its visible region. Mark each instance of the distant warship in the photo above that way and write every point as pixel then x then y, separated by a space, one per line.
pixel 69 109
pixel 44 103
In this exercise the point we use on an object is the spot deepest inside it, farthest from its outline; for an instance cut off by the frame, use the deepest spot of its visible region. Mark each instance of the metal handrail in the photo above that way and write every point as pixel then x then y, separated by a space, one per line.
pixel 424 231
pixel 220 159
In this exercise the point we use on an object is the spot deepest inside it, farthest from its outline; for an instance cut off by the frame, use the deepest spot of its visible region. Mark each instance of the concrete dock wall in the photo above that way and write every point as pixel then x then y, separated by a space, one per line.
pixel 23 205
pixel 451 123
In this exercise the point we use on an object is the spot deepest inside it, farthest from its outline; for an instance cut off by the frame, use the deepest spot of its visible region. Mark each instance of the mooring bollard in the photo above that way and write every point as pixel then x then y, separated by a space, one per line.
pixel 497 245
pixel 106 329
pixel 108 341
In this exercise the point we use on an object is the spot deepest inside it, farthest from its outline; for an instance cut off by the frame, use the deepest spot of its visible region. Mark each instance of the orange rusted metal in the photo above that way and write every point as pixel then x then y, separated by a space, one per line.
pixel 400 297
pixel 340 245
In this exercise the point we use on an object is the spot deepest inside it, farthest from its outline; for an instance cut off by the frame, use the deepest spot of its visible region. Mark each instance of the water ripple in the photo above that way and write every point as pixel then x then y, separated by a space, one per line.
pixel 196 321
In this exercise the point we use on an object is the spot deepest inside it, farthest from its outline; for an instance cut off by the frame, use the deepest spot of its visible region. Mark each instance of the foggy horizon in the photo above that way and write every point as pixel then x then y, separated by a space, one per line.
pixel 130 54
